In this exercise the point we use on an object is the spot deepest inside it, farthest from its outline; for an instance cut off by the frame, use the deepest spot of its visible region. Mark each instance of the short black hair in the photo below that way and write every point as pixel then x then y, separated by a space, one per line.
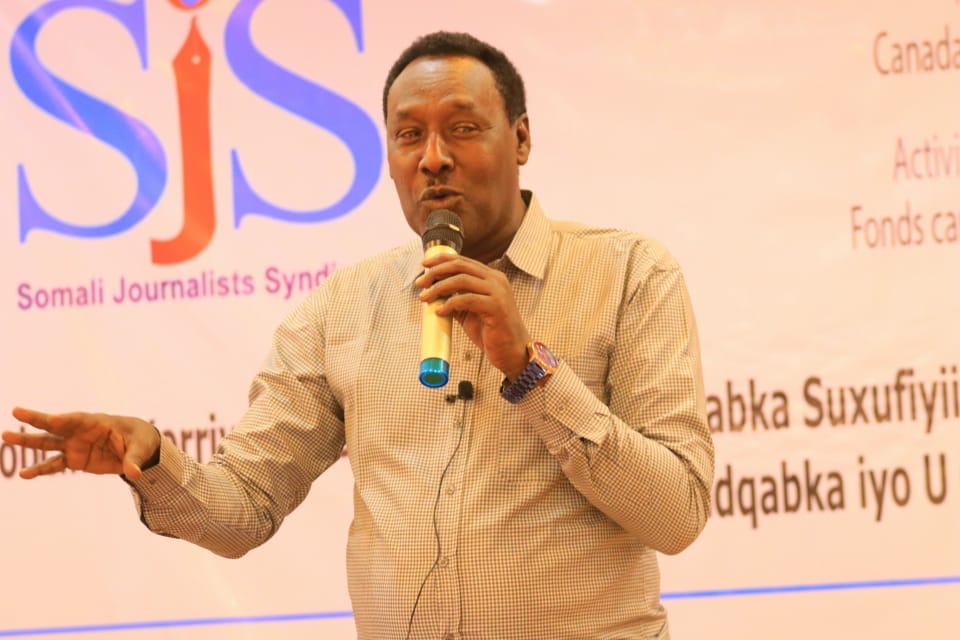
pixel 446 43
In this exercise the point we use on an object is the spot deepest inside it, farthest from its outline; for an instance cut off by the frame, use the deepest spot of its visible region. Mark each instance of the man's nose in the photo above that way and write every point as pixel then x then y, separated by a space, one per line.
pixel 436 155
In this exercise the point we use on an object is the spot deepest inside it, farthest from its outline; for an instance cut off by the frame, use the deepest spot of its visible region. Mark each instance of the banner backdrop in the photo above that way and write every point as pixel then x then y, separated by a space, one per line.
pixel 801 160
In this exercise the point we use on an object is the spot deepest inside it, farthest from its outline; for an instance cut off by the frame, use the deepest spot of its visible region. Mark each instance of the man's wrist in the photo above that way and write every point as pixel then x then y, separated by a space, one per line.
pixel 154 459
pixel 540 365
pixel 513 371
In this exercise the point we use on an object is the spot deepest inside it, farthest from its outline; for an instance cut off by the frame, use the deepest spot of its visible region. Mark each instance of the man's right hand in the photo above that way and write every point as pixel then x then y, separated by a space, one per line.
pixel 91 442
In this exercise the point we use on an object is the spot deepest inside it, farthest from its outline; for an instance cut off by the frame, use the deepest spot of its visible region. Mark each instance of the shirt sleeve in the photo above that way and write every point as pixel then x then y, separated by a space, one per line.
pixel 646 458
pixel 291 433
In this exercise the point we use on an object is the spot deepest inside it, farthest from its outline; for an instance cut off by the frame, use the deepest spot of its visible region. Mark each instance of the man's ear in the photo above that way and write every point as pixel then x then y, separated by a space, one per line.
pixel 522 127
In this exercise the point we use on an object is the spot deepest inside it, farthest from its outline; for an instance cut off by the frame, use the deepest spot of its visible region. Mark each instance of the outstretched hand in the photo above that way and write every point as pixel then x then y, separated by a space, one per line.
pixel 90 442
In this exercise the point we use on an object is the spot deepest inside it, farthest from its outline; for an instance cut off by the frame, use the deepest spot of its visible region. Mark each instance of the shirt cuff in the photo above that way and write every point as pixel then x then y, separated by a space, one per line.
pixel 161 479
pixel 563 409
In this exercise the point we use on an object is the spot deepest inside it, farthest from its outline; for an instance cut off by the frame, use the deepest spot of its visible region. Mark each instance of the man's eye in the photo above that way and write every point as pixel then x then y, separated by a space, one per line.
pixel 465 128
pixel 408 134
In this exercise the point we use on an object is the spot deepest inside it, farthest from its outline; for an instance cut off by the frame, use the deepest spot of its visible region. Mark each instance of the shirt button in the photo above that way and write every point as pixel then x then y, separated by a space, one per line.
pixel 444 562
pixel 452 636
pixel 452 489
pixel 467 356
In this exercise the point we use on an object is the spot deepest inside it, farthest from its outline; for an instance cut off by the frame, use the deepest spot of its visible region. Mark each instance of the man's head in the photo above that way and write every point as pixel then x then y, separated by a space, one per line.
pixel 443 44
pixel 457 133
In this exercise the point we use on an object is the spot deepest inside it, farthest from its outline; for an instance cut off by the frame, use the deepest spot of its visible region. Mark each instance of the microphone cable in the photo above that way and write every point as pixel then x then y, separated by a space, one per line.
pixel 464 392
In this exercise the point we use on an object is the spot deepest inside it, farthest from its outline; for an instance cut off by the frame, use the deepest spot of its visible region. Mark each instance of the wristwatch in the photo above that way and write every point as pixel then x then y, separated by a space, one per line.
pixel 542 364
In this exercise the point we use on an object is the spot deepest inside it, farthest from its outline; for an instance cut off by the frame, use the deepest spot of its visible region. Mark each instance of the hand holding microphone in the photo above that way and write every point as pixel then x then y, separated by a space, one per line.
pixel 478 296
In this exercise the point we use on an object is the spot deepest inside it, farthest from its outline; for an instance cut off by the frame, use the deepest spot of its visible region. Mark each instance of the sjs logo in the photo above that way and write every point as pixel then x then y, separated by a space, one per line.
pixel 134 139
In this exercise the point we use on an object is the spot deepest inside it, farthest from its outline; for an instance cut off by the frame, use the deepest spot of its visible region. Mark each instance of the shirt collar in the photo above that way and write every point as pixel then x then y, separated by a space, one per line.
pixel 528 251
pixel 530 248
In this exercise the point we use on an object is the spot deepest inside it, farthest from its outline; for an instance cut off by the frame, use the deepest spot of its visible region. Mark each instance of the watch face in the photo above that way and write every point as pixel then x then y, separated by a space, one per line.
pixel 544 354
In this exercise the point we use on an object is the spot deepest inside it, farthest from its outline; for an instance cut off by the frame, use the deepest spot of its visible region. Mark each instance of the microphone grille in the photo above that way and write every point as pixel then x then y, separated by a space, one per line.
pixel 443 226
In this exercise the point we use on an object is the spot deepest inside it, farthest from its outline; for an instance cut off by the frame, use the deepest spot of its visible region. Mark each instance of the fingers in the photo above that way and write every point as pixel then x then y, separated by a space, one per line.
pixel 459 284
pixel 91 442
pixel 444 265
pixel 33 418
pixel 62 424
pixel 458 276
pixel 45 468
pixel 39 441
pixel 467 287
pixel 481 299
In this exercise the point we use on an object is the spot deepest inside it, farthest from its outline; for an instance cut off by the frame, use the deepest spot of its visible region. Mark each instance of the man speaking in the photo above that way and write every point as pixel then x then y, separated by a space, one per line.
pixel 530 505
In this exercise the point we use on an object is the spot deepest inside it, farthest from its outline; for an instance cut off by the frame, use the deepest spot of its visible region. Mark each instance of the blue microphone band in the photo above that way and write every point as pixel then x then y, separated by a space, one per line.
pixel 434 372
